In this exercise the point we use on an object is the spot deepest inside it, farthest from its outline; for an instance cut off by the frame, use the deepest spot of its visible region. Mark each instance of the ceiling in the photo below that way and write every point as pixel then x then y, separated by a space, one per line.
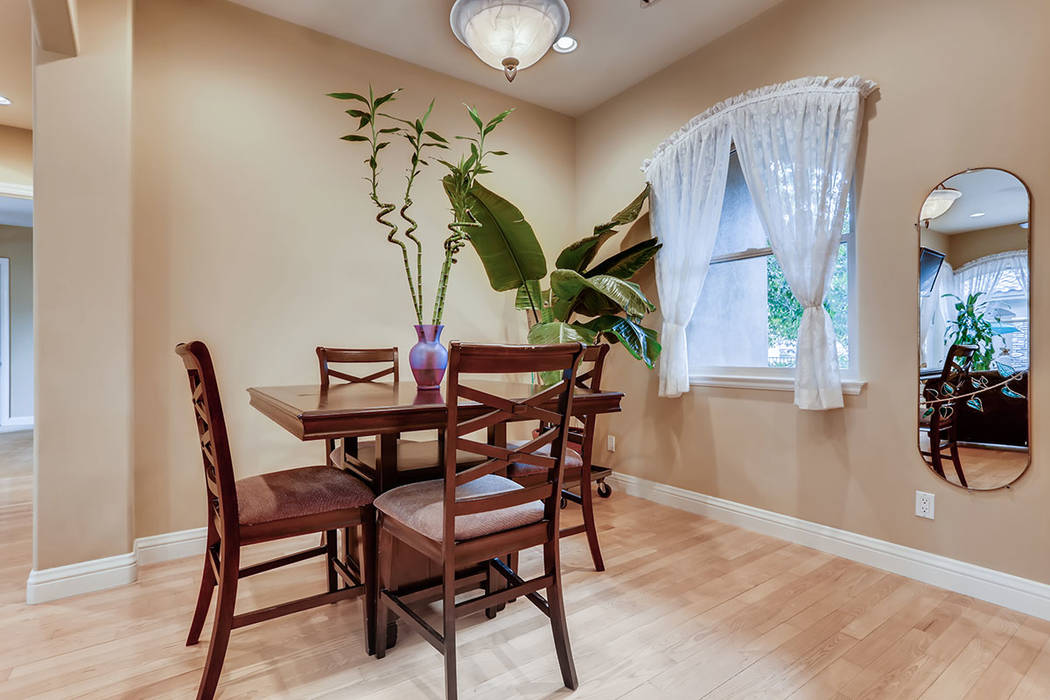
pixel 16 64
pixel 1001 197
pixel 15 211
pixel 620 43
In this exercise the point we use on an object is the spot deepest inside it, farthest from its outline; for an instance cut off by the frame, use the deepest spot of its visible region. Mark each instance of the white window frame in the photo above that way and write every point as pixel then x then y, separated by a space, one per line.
pixel 9 423
pixel 783 378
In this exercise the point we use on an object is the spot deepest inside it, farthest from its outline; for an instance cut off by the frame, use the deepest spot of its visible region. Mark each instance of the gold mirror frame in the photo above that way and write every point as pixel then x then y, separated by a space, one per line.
pixel 919 226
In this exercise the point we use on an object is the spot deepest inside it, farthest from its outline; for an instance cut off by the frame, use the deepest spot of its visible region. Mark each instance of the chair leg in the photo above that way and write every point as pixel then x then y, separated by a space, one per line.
pixel 957 461
pixel 491 585
pixel 558 624
pixel 448 609
pixel 332 553
pixel 368 573
pixel 220 636
pixel 385 557
pixel 587 498
pixel 512 564
pixel 203 603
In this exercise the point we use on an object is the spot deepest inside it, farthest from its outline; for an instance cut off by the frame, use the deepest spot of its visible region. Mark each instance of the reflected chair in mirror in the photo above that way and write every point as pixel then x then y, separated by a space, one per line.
pixel 578 459
pixel 938 438
pixel 264 508
pixel 423 457
pixel 469 519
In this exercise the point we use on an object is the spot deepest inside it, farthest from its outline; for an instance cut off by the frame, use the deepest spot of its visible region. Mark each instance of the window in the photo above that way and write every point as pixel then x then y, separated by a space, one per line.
pixel 1008 305
pixel 746 315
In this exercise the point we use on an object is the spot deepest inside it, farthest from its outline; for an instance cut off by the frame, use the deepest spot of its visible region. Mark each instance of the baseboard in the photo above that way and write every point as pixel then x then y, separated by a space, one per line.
pixel 171 545
pixel 83 577
pixel 47 585
pixel 1007 590
pixel 15 426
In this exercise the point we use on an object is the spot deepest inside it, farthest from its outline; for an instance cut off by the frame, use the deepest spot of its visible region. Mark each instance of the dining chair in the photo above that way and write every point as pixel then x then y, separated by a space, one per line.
pixel 577 459
pixel 412 455
pixel 470 518
pixel 263 508
pixel 939 435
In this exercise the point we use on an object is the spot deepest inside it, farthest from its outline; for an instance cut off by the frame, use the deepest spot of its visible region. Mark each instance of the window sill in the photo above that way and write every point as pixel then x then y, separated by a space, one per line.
pixel 850 387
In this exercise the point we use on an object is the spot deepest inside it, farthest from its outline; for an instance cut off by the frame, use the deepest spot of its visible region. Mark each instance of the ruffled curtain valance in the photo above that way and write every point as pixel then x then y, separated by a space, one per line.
pixel 797 146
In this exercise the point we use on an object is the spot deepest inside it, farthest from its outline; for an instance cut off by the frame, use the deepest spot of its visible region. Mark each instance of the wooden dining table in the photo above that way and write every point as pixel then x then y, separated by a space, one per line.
pixel 386 410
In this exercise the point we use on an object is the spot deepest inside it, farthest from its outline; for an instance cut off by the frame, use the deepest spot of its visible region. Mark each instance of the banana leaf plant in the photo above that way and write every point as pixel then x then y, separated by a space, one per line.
pixel 582 300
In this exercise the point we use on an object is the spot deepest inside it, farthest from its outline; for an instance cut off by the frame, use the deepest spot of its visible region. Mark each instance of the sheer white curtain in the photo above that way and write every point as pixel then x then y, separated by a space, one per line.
pixel 688 179
pixel 983 274
pixel 797 145
pixel 934 313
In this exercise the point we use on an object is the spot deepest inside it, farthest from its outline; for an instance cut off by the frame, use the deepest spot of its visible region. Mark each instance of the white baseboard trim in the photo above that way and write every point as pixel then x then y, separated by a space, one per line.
pixel 15 427
pixel 171 545
pixel 47 585
pixel 63 581
pixel 1021 594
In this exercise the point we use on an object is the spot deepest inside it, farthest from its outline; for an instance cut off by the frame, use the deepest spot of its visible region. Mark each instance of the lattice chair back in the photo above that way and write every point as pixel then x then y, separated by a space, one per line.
pixel 215 444
pixel 330 356
pixel 953 380
pixel 479 360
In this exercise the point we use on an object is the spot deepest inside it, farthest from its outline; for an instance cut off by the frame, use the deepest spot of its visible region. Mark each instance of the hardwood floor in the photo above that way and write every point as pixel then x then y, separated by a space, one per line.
pixel 688 608
pixel 988 469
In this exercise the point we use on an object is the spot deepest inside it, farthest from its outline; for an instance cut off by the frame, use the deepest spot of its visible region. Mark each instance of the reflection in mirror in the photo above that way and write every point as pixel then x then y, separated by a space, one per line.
pixel 974 329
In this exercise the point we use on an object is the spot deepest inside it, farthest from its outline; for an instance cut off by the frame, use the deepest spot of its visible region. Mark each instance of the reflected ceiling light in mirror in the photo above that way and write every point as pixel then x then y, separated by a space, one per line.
pixel 976 214
pixel 509 35
pixel 1024 225
pixel 938 203
pixel 4 100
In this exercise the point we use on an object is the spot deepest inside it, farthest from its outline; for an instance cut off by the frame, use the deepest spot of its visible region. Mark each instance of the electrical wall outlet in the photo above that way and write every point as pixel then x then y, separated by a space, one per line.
pixel 610 443
pixel 924 504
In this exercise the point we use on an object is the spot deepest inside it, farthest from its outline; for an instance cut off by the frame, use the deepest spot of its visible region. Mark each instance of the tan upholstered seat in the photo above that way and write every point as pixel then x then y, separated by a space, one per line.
pixel 411 454
pixel 420 506
pixel 268 499
pixel 529 473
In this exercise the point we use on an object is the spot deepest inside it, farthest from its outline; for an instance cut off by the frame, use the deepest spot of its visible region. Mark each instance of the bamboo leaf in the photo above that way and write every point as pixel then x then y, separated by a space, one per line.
pixel 348 96
pixel 474 116
pixel 386 98
pixel 436 136
pixel 354 137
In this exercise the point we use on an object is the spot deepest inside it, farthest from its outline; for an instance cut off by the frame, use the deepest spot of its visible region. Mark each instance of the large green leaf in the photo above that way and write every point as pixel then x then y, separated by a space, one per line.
pixel 558 332
pixel 581 253
pixel 567 285
pixel 640 341
pixel 628 214
pixel 504 241
pixel 530 296
pixel 627 262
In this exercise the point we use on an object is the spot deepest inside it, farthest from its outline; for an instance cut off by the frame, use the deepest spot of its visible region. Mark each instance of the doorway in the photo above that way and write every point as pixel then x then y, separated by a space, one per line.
pixel 16 313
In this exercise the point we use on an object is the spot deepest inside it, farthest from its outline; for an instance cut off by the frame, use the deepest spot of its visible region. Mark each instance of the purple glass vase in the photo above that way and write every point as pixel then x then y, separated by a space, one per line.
pixel 428 358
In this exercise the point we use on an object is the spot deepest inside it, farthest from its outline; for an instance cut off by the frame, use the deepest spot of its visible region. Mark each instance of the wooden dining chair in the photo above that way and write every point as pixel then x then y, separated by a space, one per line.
pixel 412 455
pixel 264 508
pixel 578 458
pixel 938 440
pixel 472 517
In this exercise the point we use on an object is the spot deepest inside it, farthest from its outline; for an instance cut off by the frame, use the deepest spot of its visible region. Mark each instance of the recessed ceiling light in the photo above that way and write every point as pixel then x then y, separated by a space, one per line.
pixel 976 214
pixel 4 100
pixel 1025 225
pixel 565 44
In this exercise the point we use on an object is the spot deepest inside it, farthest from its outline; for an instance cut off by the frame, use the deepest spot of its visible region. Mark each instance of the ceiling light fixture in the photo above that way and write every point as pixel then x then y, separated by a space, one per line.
pixel 565 44
pixel 938 203
pixel 509 35
pixel 4 100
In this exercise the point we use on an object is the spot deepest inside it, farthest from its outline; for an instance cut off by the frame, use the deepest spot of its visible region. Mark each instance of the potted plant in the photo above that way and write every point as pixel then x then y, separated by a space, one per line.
pixel 972 327
pixel 427 358
pixel 582 300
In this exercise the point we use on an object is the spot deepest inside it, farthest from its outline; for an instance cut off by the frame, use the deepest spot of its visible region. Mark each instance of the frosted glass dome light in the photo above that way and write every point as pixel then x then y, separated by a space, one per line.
pixel 938 203
pixel 509 35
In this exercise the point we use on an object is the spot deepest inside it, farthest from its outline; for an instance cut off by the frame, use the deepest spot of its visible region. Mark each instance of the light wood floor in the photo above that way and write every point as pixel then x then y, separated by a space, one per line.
pixel 987 469
pixel 689 608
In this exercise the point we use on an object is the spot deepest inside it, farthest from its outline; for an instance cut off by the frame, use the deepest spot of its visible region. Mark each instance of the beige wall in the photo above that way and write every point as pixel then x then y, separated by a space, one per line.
pixel 253 231
pixel 82 252
pixel 855 468
pixel 16 244
pixel 968 246
pixel 16 156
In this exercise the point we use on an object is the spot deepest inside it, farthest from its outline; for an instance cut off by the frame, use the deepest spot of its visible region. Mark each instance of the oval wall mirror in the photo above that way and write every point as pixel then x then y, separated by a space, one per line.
pixel 974 329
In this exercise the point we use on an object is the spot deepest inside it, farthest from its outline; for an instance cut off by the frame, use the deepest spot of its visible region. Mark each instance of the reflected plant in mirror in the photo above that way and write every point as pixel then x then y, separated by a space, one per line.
pixel 974 329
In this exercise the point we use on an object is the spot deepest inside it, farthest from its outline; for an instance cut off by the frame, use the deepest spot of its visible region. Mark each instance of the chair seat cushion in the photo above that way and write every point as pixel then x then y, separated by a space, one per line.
pixel 531 474
pixel 411 454
pixel 420 506
pixel 298 493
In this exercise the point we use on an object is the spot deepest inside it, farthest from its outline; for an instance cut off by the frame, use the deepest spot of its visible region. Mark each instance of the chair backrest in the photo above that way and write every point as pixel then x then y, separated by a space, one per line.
pixel 953 380
pixel 472 359
pixel 328 356
pixel 589 378
pixel 214 441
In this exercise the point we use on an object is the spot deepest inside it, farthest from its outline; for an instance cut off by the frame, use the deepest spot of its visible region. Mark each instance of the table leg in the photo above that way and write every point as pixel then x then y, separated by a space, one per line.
pixel 386 479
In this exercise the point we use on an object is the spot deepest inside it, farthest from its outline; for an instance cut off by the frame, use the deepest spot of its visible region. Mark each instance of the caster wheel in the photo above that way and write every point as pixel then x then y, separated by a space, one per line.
pixel 604 490
pixel 564 503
